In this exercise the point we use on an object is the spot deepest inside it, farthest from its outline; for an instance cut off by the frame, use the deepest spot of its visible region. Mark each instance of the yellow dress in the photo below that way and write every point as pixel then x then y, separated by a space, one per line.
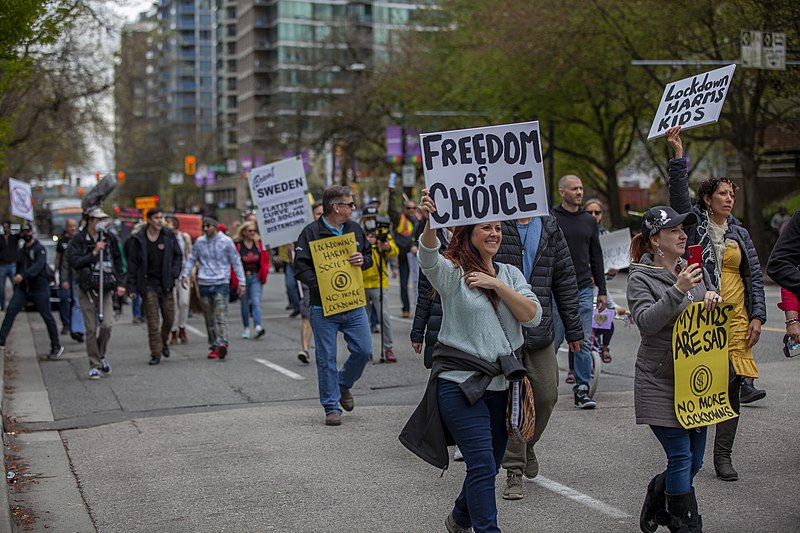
pixel 733 293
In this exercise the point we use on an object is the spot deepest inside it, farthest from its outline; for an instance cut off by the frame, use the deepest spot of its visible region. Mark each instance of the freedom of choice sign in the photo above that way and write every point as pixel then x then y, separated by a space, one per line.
pixel 692 102
pixel 484 174
pixel 279 191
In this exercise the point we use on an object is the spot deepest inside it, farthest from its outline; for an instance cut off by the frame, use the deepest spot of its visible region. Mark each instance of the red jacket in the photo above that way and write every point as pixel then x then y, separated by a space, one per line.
pixel 263 271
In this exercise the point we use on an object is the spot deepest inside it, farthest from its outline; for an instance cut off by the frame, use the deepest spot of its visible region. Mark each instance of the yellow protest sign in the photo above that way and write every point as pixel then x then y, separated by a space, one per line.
pixel 340 283
pixel 700 352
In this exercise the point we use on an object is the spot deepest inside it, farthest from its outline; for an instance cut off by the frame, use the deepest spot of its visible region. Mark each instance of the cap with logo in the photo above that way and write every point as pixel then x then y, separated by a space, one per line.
pixel 661 216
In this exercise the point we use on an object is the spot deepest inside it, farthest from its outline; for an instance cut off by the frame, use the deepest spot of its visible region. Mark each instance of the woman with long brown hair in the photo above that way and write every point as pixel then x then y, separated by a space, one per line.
pixel 255 261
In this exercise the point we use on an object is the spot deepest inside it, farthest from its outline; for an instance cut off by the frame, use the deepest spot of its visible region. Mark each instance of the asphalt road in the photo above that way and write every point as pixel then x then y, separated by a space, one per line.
pixel 239 445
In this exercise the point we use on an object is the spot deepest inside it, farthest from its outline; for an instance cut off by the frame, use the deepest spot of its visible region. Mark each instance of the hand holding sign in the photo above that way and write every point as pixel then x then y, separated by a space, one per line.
pixel 426 205
pixel 711 299
pixel 674 138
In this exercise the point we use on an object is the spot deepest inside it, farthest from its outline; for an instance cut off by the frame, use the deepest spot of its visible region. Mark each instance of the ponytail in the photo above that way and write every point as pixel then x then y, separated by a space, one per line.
pixel 639 247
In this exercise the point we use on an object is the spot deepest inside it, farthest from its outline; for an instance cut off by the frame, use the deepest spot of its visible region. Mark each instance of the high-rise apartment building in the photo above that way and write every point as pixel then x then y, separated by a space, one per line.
pixel 226 84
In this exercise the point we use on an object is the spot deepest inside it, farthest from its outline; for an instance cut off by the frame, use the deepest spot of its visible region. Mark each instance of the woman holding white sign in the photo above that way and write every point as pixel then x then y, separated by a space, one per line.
pixel 484 304
pixel 731 267
pixel 660 286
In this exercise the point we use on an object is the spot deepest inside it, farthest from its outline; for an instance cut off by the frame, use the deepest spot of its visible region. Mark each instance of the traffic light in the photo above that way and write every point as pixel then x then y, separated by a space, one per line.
pixel 80 192
pixel 189 165
pixel 121 177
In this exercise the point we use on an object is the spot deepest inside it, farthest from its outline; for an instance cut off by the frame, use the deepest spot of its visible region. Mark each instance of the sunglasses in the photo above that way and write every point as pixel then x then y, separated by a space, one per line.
pixel 411 207
pixel 351 205
pixel 595 212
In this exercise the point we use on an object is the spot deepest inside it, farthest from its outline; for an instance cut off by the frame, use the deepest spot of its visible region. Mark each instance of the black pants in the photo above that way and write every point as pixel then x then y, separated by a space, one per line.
pixel 41 300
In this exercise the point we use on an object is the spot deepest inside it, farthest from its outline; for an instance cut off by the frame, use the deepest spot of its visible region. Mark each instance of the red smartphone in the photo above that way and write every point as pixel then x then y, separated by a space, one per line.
pixel 695 255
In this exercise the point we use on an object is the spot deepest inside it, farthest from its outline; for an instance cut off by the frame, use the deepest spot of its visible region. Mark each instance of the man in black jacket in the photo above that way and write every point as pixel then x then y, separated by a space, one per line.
pixel 334 384
pixel 537 248
pixel 9 246
pixel 32 284
pixel 84 254
pixel 583 239
pixel 154 263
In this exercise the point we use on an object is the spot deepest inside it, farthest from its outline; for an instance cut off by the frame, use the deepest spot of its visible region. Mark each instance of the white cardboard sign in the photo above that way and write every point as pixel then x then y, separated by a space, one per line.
pixel 21 198
pixel 280 193
pixel 484 174
pixel 616 247
pixel 692 102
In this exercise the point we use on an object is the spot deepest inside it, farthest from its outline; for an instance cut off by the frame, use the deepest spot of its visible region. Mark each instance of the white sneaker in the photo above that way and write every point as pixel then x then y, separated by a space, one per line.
pixel 246 333
pixel 94 374
pixel 259 332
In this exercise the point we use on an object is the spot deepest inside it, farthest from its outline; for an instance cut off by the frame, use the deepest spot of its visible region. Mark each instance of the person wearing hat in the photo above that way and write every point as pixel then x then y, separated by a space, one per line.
pixel 84 254
pixel 32 284
pixel 376 278
pixel 216 255
pixel 178 332
pixel 660 286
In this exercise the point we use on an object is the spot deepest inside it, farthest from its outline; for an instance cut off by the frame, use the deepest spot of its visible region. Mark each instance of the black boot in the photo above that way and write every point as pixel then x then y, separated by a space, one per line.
pixel 654 501
pixel 723 446
pixel 749 393
pixel 695 520
pixel 676 517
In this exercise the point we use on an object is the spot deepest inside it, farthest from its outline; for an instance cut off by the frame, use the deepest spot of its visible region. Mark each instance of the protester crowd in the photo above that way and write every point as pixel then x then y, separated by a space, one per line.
pixel 520 288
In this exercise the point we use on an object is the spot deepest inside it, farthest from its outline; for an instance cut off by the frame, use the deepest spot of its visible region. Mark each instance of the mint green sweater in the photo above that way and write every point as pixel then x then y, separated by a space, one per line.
pixel 469 322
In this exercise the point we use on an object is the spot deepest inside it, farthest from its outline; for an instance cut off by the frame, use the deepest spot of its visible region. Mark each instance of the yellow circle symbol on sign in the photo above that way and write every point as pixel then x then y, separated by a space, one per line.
pixel 341 281
pixel 701 380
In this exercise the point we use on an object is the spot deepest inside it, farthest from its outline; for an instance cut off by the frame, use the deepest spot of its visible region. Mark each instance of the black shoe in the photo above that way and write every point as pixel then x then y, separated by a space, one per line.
pixel 654 501
pixel 155 359
pixel 295 313
pixel 56 352
pixel 289 307
pixel 749 393
pixel 583 400
pixel 303 356
pixel 222 349
pixel 165 351
pixel 64 330
pixel 375 329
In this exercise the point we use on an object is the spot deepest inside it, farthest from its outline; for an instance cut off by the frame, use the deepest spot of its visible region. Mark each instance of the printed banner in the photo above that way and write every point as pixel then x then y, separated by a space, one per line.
pixel 616 247
pixel 700 352
pixel 485 174
pixel 340 283
pixel 692 102
pixel 279 192
pixel 21 198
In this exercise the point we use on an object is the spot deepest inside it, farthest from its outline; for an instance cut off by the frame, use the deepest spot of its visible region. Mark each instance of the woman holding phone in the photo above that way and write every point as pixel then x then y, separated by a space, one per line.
pixel 731 268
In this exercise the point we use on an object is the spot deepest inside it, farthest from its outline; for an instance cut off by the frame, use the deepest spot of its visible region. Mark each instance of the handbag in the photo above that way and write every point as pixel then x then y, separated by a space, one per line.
pixel 520 412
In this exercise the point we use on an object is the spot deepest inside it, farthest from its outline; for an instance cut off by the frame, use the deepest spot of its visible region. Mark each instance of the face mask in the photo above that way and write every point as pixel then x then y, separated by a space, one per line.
pixel 27 238
pixel 102 226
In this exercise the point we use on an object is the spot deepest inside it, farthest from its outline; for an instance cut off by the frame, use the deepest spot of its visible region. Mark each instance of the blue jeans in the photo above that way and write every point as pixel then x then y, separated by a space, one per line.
pixel 215 311
pixel 685 449
pixel 41 300
pixel 7 270
pixel 583 358
pixel 136 306
pixel 252 301
pixel 76 323
pixel 291 288
pixel 481 435
pixel 354 325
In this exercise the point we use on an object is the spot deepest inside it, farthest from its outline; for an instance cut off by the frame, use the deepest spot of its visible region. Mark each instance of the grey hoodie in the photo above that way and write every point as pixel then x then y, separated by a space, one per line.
pixel 655 304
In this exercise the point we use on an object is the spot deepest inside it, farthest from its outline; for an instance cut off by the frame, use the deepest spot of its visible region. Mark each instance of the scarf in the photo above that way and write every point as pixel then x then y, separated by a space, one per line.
pixel 712 238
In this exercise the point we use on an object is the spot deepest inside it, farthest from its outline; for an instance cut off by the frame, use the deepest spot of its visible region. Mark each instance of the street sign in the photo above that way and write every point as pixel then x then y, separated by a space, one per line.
pixel 409 176
pixel 751 48
pixel 774 50
pixel 176 178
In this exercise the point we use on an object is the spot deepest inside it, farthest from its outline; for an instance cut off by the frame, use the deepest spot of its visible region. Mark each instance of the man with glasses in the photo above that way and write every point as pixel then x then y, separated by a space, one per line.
pixel 404 224
pixel 216 255
pixel 335 384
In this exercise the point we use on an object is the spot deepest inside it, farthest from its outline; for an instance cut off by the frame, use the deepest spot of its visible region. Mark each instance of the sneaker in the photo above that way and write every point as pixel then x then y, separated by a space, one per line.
pixel 165 351
pixel 454 527
pixel 570 377
pixel 213 354
pixel 295 313
pixel 390 358
pixel 302 355
pixel 246 333
pixel 375 330
pixel 64 330
pixel 513 487
pixel 154 359
pixel 531 469
pixel 583 400
pixel 260 332
pixel 749 393
pixel 346 401
pixel 334 418
pixel 182 336
pixel 57 352
pixel 105 368
pixel 222 350
pixel 94 374
pixel 457 455
pixel 174 338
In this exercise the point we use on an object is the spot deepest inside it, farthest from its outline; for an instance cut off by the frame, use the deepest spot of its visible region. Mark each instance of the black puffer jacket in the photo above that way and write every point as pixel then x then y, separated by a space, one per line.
pixel 750 268
pixel 553 273
pixel 428 313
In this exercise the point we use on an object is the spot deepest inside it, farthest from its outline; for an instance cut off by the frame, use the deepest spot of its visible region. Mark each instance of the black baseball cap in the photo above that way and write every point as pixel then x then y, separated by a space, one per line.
pixel 369 211
pixel 662 216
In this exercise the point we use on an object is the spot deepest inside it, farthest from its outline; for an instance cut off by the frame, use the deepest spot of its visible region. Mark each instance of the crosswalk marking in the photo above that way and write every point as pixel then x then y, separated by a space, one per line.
pixel 278 368
pixel 572 494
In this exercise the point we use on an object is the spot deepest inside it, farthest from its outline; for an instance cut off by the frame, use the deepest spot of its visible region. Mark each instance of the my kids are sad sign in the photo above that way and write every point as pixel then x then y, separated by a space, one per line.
pixel 484 174
pixel 692 102
pixel 341 286
pixel 700 349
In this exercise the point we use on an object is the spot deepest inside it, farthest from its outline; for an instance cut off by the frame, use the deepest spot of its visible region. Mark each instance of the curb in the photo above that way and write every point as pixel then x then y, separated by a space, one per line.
pixel 6 524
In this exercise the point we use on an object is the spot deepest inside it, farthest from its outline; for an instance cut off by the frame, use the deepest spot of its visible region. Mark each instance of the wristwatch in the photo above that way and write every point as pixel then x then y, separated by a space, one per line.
pixel 791 321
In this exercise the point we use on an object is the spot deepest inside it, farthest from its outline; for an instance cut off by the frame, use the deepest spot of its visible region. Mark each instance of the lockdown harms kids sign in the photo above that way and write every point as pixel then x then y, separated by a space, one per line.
pixel 692 102
pixel 341 286
pixel 484 174
pixel 279 192
pixel 700 351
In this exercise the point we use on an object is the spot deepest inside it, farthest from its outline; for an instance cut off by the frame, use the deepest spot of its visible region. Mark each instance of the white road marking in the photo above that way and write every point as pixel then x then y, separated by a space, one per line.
pixel 278 368
pixel 572 494
pixel 195 331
